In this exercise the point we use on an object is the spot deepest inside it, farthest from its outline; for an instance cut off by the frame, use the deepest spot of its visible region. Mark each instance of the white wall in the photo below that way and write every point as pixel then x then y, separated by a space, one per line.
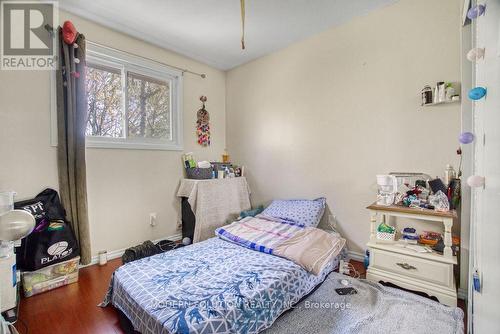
pixel 321 117
pixel 325 115
pixel 485 227
pixel 124 186
pixel 467 154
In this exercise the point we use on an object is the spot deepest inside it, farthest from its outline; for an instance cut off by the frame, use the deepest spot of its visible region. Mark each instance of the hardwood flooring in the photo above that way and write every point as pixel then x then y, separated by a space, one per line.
pixel 73 309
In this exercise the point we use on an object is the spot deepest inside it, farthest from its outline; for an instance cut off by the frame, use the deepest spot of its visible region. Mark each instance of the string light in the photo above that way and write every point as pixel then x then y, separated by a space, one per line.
pixel 475 181
pixel 466 138
pixel 477 93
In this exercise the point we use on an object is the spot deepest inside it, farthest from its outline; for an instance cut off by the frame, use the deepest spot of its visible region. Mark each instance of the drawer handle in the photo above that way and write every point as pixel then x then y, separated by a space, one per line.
pixel 406 266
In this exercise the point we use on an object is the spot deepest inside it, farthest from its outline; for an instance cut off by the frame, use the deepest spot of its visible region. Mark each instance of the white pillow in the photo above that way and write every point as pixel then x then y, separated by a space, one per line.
pixel 299 211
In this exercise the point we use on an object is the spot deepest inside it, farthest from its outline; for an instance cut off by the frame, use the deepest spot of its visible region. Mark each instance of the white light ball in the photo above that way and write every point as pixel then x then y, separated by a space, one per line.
pixel 186 241
pixel 475 54
pixel 475 181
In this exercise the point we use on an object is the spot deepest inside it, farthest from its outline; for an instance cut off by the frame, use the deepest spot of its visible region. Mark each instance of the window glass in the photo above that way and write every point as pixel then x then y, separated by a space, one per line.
pixel 148 113
pixel 104 97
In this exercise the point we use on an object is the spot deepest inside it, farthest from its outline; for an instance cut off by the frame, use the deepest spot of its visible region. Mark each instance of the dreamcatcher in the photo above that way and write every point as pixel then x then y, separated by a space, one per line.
pixel 203 124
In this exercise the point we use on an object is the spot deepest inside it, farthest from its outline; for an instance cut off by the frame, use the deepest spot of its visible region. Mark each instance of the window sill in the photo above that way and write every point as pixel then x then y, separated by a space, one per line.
pixel 130 145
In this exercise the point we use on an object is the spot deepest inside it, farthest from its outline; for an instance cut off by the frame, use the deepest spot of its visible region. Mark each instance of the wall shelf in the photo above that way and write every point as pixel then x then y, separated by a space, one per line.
pixel 439 103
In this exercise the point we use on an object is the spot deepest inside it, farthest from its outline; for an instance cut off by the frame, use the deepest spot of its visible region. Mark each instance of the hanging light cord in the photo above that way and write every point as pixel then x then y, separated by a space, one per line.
pixel 242 3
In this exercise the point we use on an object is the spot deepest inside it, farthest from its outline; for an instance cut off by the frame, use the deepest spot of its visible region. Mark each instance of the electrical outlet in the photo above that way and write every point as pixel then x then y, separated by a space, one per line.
pixel 152 219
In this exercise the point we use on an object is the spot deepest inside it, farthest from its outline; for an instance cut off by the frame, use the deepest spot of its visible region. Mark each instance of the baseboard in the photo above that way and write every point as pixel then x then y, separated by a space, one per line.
pixel 114 254
pixel 352 255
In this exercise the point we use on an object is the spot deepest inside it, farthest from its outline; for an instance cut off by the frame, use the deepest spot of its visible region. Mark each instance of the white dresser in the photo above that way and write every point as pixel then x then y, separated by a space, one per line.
pixel 431 273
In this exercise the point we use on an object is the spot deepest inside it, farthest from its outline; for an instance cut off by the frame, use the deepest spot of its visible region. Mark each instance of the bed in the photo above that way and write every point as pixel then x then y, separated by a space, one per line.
pixel 215 286
pixel 210 287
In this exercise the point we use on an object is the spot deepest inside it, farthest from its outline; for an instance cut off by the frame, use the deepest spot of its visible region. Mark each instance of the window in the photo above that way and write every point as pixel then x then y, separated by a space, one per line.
pixel 148 107
pixel 132 102
pixel 104 97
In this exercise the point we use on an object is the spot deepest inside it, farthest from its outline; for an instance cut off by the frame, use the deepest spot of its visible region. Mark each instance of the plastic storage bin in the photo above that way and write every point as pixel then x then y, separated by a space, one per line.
pixel 51 277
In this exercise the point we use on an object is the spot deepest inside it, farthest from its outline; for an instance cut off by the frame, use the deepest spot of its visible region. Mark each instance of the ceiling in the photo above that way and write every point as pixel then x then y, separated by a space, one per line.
pixel 210 30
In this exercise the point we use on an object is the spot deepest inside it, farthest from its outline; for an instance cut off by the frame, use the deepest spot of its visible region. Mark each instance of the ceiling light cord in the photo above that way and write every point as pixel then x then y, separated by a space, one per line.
pixel 242 3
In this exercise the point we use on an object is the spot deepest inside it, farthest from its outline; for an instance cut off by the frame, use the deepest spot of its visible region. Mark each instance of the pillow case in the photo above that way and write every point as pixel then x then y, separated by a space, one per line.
pixel 300 211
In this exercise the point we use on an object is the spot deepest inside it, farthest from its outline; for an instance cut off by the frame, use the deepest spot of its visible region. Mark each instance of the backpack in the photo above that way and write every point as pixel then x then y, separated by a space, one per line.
pixel 52 240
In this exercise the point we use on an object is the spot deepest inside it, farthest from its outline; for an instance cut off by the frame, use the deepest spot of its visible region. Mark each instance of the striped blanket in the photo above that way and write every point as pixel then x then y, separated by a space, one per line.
pixel 261 233
pixel 309 247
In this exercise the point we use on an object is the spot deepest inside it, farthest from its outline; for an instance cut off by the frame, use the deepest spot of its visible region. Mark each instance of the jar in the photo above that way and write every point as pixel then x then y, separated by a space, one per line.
pixel 426 95
pixel 450 92
pixel 103 258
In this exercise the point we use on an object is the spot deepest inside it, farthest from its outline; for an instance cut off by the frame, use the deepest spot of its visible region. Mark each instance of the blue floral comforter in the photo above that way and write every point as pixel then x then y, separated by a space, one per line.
pixel 213 286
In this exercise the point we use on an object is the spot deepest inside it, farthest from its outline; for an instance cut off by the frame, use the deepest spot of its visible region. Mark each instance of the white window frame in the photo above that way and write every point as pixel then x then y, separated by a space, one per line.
pixel 105 56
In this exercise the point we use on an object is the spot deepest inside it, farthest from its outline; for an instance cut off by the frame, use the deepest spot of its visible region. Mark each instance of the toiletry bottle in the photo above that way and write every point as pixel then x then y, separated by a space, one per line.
pixel 441 91
pixel 190 159
pixel 185 161
pixel 449 174
pixel 225 157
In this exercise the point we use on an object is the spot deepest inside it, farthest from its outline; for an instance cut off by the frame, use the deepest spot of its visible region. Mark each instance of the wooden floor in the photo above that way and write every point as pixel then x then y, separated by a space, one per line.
pixel 73 308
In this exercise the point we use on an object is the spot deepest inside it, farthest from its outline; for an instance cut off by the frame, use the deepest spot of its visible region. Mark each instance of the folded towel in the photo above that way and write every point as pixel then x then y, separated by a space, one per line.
pixel 309 247
pixel 204 164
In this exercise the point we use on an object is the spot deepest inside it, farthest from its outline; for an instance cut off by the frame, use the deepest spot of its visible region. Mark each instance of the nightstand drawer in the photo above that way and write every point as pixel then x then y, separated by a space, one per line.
pixel 430 271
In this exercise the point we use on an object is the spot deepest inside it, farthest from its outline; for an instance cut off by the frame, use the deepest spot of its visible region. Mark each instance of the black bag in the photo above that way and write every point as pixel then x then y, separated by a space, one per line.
pixel 166 245
pixel 147 248
pixel 52 241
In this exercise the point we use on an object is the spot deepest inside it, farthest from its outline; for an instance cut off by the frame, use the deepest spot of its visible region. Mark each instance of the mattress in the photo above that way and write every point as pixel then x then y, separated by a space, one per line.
pixel 213 286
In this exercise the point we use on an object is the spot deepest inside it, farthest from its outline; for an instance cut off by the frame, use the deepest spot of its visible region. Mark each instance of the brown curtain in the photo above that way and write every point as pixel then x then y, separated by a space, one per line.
pixel 71 123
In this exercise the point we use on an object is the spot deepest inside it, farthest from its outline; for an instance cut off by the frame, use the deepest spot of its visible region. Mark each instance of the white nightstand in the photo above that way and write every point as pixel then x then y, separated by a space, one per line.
pixel 431 273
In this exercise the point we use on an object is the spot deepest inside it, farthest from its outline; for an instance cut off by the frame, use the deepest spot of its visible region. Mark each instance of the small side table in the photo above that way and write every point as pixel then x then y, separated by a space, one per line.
pixel 213 203
pixel 431 273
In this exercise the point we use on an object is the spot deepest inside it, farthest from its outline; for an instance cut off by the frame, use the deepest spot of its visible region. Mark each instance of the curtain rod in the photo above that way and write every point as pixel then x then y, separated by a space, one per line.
pixel 183 70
